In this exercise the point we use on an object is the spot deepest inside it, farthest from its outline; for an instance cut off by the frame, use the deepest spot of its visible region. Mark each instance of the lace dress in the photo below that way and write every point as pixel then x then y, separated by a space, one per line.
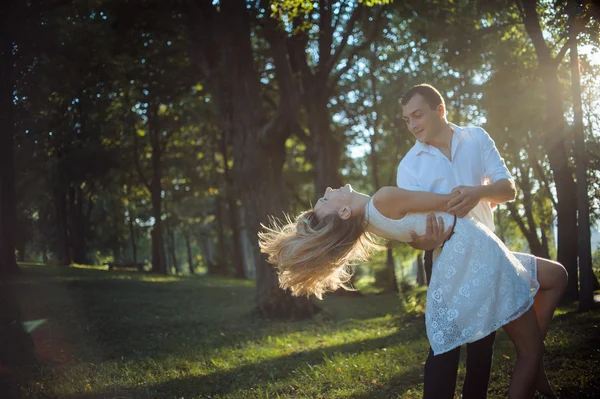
pixel 477 285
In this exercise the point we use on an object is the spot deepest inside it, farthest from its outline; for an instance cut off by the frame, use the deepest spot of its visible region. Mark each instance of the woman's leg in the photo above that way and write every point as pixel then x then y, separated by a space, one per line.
pixel 552 277
pixel 525 334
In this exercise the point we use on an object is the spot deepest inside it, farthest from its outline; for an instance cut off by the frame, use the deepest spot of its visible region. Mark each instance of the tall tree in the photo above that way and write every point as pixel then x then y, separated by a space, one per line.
pixel 225 57
pixel 555 143
pixel 584 248
pixel 8 206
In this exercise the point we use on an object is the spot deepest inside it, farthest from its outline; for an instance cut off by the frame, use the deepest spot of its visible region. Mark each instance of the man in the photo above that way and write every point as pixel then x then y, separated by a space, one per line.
pixel 448 158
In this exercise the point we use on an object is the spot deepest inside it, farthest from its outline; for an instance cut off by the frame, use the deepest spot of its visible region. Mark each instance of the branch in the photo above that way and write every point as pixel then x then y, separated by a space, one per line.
pixel 563 51
pixel 542 176
pixel 289 98
pixel 201 24
pixel 515 215
pixel 337 20
pixel 135 154
pixel 525 184
pixel 356 13
pixel 90 206
pixel 356 50
pixel 575 28
pixel 534 29
pixel 325 34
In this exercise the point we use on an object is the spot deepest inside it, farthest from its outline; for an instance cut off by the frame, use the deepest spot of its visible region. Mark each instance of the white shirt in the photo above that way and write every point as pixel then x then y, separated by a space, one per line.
pixel 475 162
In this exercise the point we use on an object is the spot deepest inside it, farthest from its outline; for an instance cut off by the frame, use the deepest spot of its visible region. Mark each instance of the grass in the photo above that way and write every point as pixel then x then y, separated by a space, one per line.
pixel 130 335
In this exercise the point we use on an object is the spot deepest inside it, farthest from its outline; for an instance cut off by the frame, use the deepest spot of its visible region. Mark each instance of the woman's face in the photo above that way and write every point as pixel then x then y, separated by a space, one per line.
pixel 337 200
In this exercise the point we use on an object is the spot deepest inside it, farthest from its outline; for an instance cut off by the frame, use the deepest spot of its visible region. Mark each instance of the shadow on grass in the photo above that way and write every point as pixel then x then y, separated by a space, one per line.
pixel 396 387
pixel 119 315
pixel 100 318
pixel 17 353
pixel 268 371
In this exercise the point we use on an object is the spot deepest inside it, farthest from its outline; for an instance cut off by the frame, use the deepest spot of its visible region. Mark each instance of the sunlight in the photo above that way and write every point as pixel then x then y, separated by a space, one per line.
pixel 593 53
pixel 31 325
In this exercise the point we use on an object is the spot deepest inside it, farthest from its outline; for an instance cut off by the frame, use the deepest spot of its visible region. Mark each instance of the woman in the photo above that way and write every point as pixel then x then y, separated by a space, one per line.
pixel 477 284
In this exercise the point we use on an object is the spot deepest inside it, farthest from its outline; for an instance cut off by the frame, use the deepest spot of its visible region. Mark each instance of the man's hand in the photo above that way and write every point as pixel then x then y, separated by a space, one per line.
pixel 434 235
pixel 468 197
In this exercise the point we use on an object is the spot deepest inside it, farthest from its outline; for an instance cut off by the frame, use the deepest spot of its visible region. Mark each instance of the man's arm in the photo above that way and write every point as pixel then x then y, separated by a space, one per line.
pixel 501 189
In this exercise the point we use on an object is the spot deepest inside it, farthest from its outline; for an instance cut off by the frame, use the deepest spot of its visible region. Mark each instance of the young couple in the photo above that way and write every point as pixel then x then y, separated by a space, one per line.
pixel 453 176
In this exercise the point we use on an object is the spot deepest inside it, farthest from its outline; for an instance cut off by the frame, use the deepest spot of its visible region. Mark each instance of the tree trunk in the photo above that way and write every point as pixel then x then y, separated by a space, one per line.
pixel 171 245
pixel 374 122
pixel 565 186
pixel 16 346
pixel 584 247
pixel 237 256
pixel 554 143
pixel 188 247
pixel 325 150
pixel 391 267
pixel 8 205
pixel 130 223
pixel 222 258
pixel 420 269
pixel 63 252
pixel 77 226
pixel 159 261
pixel 530 231
pixel 132 239
pixel 545 243
pixel 20 249
pixel 234 224
pixel 258 139
pixel 208 255
pixel 262 188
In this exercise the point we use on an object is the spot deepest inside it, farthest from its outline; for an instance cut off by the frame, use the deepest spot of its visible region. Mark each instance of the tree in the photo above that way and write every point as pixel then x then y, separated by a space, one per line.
pixel 320 60
pixel 258 137
pixel 555 143
pixel 584 249
pixel 8 206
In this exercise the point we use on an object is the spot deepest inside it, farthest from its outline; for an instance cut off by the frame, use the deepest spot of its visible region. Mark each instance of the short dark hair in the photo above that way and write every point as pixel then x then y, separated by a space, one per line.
pixel 431 95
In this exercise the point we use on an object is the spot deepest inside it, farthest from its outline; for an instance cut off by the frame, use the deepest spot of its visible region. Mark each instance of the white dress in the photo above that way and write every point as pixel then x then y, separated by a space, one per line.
pixel 477 285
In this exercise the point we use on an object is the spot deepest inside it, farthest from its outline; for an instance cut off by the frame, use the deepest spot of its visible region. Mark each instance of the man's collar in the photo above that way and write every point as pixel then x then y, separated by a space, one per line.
pixel 424 147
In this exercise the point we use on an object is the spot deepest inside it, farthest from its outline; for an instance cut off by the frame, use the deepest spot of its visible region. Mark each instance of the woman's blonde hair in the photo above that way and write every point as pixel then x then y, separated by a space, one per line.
pixel 315 255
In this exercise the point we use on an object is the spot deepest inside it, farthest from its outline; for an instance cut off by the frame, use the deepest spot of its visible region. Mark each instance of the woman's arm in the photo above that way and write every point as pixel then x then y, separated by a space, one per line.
pixel 395 203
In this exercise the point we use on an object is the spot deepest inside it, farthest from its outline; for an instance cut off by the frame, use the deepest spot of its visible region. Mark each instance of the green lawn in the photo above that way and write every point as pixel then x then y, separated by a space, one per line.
pixel 128 335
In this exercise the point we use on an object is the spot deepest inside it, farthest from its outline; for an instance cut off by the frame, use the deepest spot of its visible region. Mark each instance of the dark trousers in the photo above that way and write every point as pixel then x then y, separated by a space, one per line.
pixel 441 370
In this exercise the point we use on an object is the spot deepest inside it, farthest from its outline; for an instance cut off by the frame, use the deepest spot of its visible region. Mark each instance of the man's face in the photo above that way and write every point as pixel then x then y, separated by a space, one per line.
pixel 422 121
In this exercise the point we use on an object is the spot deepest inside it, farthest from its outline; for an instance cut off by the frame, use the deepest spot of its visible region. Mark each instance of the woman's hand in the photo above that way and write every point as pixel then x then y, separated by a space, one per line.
pixel 434 234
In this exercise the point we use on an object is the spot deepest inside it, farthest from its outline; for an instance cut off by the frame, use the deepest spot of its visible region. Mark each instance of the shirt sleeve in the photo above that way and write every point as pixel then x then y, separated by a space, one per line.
pixel 406 179
pixel 494 167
